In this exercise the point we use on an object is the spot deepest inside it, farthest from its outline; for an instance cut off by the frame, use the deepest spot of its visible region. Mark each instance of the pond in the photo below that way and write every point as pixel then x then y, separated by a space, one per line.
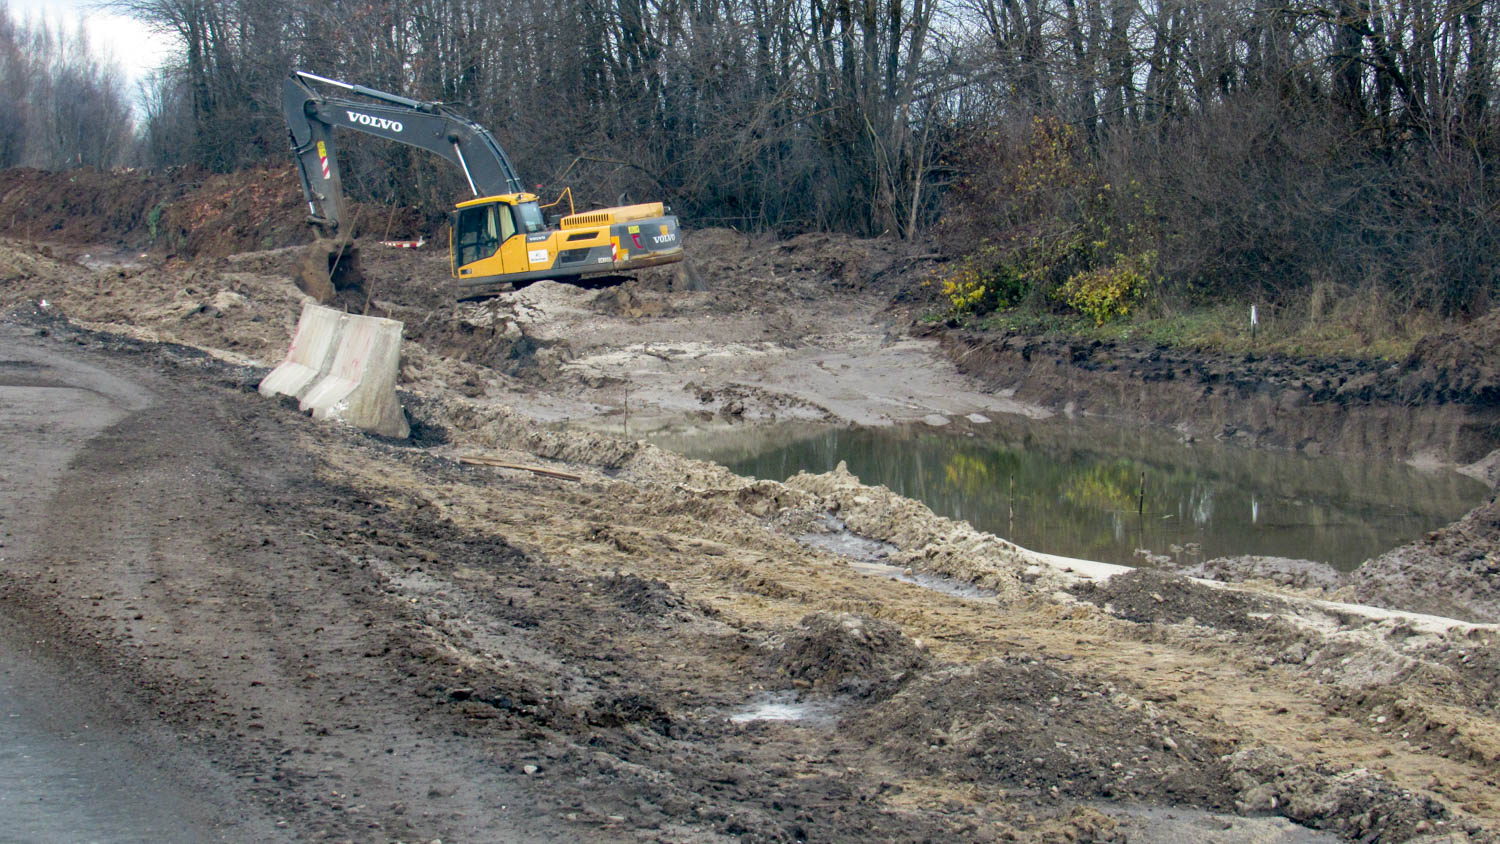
pixel 1090 489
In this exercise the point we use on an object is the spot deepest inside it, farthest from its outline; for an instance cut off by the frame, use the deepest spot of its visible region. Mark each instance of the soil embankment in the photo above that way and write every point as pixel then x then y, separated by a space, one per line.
pixel 373 641
pixel 177 211
pixel 1441 405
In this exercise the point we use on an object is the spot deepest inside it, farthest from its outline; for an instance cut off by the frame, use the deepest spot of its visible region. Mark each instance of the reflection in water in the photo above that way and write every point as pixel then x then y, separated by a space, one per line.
pixel 1082 488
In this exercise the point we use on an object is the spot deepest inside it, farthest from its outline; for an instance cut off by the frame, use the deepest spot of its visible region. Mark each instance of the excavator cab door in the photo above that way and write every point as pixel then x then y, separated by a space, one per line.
pixel 487 242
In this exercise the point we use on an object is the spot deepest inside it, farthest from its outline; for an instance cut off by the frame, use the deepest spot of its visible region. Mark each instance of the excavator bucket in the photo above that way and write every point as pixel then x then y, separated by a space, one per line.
pixel 328 267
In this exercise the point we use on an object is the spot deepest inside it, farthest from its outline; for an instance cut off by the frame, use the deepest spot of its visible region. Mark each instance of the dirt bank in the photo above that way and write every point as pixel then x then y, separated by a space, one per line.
pixel 177 211
pixel 1442 405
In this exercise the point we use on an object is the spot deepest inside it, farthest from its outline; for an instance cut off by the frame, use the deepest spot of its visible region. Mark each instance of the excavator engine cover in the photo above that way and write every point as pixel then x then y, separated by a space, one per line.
pixel 328 267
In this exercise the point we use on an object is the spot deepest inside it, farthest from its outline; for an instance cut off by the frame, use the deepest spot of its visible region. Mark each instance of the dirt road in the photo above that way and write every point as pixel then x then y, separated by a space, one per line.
pixel 368 640
pixel 153 517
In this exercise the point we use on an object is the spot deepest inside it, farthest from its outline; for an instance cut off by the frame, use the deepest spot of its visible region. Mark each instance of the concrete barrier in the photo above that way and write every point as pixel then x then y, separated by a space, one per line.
pixel 311 354
pixel 360 386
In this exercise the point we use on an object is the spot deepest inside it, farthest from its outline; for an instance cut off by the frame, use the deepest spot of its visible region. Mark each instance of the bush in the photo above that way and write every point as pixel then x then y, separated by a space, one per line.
pixel 1105 293
pixel 1035 223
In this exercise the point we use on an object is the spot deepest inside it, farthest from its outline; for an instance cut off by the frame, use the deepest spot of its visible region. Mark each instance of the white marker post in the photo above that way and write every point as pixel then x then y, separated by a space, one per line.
pixel 1253 322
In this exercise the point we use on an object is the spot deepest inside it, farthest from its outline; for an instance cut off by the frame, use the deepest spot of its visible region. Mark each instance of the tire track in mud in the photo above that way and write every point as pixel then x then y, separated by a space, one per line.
pixel 170 558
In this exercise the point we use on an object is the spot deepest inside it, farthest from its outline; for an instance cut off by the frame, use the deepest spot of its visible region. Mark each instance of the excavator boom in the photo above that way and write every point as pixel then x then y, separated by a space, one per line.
pixel 311 119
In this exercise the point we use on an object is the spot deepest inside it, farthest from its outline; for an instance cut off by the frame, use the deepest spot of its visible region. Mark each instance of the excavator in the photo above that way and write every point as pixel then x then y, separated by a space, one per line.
pixel 500 239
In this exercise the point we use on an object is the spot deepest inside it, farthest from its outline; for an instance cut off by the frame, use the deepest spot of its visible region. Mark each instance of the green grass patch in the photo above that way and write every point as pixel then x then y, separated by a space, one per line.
pixel 1345 331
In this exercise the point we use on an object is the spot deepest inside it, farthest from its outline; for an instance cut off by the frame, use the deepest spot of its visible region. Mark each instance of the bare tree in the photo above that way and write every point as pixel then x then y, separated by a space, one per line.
pixel 61 105
pixel 1340 137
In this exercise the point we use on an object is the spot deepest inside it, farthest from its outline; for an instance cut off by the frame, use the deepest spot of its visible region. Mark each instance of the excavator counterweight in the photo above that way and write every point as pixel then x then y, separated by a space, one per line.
pixel 500 237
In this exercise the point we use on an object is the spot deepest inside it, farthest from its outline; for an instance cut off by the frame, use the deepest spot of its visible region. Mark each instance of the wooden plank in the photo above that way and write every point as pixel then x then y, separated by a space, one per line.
pixel 536 470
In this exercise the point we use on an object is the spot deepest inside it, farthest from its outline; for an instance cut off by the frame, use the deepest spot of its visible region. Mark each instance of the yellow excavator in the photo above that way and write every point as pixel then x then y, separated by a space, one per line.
pixel 499 239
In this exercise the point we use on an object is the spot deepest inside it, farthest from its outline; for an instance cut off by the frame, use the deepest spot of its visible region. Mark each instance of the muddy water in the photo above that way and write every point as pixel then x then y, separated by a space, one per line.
pixel 1083 488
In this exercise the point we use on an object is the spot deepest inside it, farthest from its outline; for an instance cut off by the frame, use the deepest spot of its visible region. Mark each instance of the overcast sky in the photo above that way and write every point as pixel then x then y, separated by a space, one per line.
pixel 131 44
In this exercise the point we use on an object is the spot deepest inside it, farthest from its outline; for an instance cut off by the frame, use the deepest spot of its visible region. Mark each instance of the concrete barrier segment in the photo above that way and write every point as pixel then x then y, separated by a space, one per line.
pixel 311 354
pixel 360 387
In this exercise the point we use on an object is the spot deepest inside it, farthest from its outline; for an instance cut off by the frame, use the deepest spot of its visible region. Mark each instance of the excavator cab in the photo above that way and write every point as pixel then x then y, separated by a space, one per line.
pixel 499 240
pixel 490 235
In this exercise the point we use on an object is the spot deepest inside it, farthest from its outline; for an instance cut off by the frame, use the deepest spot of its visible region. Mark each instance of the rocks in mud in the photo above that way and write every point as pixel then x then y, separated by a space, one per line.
pixel 1023 724
pixel 849 654
pixel 1354 803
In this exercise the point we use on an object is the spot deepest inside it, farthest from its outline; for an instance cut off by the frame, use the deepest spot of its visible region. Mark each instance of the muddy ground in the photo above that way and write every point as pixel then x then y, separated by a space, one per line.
pixel 368 640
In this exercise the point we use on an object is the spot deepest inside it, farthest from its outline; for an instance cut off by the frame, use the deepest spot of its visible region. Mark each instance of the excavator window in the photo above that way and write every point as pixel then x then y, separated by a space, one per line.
pixel 507 221
pixel 478 234
pixel 529 218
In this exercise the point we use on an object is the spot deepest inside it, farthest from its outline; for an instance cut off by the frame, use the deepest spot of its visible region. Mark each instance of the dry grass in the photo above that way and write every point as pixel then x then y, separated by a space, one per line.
pixel 1328 322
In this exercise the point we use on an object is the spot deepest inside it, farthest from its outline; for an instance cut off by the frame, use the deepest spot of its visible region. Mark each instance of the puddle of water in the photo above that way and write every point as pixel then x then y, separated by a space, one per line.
pixel 785 706
pixel 1088 489
pixel 867 555
pixel 936 583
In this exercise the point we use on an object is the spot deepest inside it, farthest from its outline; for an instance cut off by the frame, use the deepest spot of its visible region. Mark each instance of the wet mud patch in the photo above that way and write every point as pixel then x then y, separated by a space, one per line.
pixel 1150 596
pixel 1026 725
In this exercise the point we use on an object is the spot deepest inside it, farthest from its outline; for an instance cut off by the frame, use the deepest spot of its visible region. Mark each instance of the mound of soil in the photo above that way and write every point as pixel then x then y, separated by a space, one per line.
pixel 1456 366
pixel 849 654
pixel 1149 596
pixel 1282 571
pixel 1356 804
pixel 1023 724
pixel 177 211
pixel 1453 572
pixel 641 597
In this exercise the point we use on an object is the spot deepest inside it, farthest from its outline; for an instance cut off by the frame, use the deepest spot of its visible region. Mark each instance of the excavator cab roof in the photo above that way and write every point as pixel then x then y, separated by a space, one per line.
pixel 507 198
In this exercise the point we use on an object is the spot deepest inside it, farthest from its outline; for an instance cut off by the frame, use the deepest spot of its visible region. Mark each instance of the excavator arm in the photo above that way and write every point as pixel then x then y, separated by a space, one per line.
pixel 311 118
